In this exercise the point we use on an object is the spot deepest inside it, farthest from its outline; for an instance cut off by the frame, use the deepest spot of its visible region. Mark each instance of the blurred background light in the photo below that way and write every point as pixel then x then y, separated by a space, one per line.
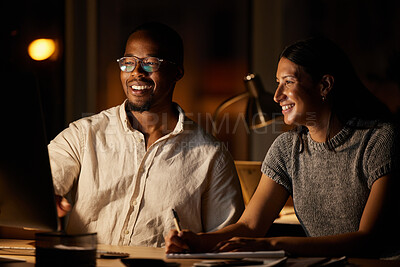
pixel 41 49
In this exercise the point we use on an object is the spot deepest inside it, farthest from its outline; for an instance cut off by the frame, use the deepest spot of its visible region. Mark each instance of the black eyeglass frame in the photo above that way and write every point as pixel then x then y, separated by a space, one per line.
pixel 143 65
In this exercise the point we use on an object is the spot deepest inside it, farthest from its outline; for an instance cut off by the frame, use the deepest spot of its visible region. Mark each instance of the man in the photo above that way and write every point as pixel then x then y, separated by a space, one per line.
pixel 128 166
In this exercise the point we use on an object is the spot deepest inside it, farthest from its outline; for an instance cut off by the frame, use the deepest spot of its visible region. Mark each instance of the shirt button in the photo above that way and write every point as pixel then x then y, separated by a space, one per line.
pixel 141 169
pixel 134 203
pixel 140 140
pixel 127 232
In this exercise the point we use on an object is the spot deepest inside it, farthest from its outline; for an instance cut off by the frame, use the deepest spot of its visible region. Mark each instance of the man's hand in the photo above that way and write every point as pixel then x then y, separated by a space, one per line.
pixel 63 206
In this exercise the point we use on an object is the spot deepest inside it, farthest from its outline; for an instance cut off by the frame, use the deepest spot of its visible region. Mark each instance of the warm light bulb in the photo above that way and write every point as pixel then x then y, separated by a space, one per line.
pixel 41 49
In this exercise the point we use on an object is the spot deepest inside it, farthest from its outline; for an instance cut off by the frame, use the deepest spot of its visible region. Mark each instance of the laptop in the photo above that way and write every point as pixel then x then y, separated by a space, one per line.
pixel 26 187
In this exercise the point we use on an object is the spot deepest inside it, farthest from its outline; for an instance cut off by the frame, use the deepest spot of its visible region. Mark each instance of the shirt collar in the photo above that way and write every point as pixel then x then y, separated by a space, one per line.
pixel 127 126
pixel 181 119
pixel 123 117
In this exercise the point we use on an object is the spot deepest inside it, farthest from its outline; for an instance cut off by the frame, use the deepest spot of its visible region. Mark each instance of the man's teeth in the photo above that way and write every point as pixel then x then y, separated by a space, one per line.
pixel 286 107
pixel 140 87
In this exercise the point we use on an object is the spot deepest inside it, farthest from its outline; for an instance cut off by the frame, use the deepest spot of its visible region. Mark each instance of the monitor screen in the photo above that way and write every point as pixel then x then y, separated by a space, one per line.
pixel 26 187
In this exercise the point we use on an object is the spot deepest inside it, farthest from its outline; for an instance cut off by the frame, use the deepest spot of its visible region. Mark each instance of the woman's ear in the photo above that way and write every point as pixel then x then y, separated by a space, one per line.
pixel 327 82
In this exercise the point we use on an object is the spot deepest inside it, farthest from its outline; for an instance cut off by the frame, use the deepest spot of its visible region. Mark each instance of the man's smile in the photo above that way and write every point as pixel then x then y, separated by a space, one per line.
pixel 141 87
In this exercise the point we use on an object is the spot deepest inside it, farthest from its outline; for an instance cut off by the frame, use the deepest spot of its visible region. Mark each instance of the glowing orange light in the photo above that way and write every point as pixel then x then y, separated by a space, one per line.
pixel 41 49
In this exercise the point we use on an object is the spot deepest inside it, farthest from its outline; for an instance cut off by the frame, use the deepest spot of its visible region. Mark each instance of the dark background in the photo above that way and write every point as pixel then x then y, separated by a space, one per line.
pixel 224 40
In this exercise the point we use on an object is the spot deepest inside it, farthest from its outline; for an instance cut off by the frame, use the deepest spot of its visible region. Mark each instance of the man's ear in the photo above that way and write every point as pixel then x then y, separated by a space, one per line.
pixel 179 74
pixel 327 82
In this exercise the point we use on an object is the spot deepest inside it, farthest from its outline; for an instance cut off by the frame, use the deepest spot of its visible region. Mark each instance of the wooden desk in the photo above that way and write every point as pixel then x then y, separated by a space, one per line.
pixel 147 252
pixel 135 252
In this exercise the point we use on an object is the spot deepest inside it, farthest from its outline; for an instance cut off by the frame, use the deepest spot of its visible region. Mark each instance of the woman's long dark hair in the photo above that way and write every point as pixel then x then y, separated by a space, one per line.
pixel 349 98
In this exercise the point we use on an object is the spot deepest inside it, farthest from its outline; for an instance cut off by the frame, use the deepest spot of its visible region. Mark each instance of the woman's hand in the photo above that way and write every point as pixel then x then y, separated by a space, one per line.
pixel 243 244
pixel 183 241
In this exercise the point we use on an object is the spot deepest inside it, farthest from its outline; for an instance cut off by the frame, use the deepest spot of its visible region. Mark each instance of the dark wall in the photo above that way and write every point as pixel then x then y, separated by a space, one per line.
pixel 223 40
pixel 23 22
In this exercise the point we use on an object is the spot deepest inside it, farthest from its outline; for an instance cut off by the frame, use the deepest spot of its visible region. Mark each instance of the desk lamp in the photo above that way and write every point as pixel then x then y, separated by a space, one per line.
pixel 261 109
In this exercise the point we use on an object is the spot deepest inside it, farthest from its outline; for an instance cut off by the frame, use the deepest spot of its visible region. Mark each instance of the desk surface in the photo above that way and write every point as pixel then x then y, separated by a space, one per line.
pixel 146 252
pixel 135 252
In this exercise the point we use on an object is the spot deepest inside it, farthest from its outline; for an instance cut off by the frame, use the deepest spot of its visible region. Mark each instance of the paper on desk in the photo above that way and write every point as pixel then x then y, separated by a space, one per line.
pixel 260 262
pixel 228 255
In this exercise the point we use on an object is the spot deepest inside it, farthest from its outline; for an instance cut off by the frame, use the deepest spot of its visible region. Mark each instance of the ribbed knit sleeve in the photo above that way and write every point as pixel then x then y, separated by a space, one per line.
pixel 381 153
pixel 278 160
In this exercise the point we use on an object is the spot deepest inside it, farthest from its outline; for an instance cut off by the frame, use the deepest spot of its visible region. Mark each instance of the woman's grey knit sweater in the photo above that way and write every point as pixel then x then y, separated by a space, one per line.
pixel 330 188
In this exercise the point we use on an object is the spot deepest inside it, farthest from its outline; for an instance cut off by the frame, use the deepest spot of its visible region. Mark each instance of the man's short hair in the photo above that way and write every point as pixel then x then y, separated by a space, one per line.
pixel 167 37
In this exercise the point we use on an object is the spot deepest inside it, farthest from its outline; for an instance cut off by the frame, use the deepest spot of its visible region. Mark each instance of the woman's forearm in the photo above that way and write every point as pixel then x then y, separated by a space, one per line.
pixel 349 244
pixel 210 240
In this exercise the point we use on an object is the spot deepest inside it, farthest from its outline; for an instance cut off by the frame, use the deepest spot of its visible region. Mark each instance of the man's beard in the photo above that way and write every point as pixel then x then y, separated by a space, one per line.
pixel 145 107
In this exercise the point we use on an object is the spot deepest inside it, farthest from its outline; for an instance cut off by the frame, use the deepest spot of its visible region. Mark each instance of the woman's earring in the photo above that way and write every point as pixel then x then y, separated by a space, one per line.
pixel 323 98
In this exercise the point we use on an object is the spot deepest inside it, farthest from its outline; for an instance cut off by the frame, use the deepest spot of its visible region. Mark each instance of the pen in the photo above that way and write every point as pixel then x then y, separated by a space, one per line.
pixel 176 220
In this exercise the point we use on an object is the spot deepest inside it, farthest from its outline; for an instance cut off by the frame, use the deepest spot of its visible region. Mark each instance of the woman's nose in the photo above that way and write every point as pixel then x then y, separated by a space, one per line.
pixel 278 96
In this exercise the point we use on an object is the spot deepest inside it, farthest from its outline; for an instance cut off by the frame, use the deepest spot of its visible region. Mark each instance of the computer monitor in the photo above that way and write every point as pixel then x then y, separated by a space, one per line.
pixel 26 188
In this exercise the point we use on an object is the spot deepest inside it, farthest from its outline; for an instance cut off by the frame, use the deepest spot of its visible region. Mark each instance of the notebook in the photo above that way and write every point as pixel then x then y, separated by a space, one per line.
pixel 228 255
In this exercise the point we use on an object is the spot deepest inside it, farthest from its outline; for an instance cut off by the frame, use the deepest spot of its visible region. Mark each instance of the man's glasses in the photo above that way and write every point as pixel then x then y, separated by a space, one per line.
pixel 148 64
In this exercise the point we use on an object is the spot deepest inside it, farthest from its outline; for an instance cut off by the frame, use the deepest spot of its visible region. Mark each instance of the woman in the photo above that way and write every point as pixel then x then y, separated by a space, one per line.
pixel 339 165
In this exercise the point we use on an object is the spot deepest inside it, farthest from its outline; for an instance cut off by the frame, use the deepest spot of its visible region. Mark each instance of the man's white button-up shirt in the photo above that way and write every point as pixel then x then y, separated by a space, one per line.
pixel 125 193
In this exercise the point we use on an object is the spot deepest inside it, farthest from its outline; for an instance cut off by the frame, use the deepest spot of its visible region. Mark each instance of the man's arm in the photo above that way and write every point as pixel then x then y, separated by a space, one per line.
pixel 65 159
pixel 64 151
pixel 222 203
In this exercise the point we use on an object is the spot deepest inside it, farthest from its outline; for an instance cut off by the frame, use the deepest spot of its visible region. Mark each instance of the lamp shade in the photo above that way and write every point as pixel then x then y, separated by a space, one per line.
pixel 261 108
